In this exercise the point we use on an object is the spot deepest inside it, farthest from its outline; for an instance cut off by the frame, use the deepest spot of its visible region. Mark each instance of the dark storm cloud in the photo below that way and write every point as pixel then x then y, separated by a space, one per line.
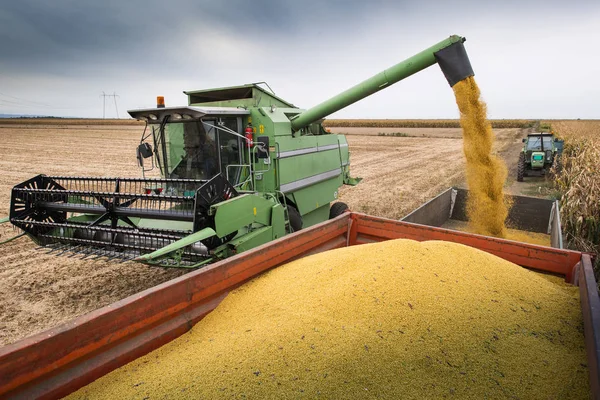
pixel 47 35
pixel 67 52
pixel 64 35
pixel 67 36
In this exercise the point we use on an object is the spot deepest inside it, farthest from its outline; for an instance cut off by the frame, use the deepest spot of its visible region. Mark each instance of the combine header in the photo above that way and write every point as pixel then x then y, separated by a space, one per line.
pixel 110 216
pixel 239 167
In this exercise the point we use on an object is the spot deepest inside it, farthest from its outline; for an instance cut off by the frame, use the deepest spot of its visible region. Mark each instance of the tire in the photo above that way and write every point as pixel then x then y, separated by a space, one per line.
pixel 295 219
pixel 337 209
pixel 521 168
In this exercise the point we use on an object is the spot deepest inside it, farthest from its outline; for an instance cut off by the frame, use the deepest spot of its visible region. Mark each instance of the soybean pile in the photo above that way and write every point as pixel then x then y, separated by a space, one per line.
pixel 397 319
pixel 485 172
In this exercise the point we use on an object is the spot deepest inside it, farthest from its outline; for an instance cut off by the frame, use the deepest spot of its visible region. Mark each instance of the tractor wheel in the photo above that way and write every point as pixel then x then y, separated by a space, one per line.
pixel 521 168
pixel 337 209
pixel 295 219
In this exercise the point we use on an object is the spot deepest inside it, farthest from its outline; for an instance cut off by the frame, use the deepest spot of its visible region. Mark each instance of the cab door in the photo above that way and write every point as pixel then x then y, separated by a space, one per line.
pixel 230 147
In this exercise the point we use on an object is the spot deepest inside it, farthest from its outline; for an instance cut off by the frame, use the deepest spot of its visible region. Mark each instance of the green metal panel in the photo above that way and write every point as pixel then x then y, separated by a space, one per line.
pixel 278 221
pixel 374 84
pixel 280 119
pixel 250 95
pixel 253 239
pixel 316 216
pixel 231 215
pixel 181 243
pixel 316 196
pixel 163 224
pixel 306 159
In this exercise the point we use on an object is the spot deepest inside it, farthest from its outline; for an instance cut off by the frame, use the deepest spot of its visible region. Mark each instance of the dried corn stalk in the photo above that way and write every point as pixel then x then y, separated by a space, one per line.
pixel 578 179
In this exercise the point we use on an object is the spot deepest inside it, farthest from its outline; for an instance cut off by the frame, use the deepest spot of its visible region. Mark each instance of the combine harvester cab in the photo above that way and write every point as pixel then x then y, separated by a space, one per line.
pixel 239 167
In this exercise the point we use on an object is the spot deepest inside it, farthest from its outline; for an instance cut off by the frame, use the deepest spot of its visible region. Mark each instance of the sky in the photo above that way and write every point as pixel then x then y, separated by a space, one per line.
pixel 532 58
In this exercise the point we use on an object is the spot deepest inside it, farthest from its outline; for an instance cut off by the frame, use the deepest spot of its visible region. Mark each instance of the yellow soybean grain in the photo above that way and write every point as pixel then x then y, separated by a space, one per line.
pixel 485 172
pixel 397 319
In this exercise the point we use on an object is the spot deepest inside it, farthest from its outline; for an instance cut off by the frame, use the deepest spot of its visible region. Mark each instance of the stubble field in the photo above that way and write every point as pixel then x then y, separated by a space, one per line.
pixel 39 290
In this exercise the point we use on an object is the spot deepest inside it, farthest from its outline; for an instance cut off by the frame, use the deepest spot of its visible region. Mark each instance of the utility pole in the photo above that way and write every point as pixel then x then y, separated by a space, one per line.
pixel 104 96
pixel 114 95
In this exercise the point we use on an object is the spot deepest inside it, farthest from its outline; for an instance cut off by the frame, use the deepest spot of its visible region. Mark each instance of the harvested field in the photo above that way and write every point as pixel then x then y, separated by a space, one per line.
pixel 442 133
pixel 400 173
pixel 39 290
pixel 422 123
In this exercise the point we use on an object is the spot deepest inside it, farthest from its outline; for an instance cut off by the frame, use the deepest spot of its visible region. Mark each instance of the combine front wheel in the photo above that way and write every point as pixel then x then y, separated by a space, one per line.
pixel 295 219
pixel 337 209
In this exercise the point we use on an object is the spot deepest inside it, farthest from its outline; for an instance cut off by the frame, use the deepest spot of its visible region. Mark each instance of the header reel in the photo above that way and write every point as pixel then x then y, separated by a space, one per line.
pixel 119 217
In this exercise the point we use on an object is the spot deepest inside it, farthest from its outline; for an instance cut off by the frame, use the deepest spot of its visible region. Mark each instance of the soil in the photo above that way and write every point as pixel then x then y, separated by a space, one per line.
pixel 39 290
pixel 443 133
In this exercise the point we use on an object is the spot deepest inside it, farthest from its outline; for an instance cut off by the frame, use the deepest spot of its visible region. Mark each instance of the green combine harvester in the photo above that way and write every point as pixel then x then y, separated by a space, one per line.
pixel 239 167
pixel 540 152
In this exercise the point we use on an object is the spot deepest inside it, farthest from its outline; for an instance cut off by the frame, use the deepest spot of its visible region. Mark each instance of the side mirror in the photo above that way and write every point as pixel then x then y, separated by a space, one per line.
pixel 144 150
pixel 523 140
pixel 262 147
pixel 556 139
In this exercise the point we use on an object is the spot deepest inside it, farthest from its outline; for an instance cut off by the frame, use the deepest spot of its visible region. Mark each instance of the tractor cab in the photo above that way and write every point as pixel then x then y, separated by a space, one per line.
pixel 193 142
pixel 538 142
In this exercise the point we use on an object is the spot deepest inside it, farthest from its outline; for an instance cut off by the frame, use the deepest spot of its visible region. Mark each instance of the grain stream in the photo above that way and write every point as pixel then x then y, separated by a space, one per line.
pixel 486 173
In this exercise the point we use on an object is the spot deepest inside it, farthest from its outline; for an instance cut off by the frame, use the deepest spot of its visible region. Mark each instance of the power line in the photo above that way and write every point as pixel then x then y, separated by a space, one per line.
pixel 21 102
pixel 104 96
pixel 26 101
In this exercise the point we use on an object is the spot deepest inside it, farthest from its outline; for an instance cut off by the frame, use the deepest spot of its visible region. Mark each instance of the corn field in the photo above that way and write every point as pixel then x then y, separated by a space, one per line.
pixel 578 180
pixel 421 123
